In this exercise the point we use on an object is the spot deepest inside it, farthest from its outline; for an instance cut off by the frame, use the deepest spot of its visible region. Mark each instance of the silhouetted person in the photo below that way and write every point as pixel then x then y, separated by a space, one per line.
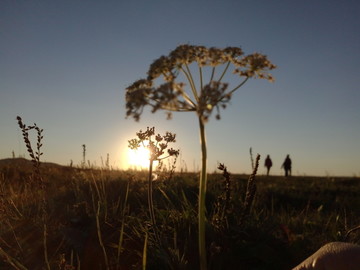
pixel 287 166
pixel 268 164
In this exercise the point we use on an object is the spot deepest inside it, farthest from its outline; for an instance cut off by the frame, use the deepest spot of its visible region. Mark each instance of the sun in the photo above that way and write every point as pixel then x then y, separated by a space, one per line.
pixel 139 158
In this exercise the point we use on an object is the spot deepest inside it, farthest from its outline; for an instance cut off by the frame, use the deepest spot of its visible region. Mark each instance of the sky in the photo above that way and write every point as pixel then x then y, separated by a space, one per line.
pixel 65 65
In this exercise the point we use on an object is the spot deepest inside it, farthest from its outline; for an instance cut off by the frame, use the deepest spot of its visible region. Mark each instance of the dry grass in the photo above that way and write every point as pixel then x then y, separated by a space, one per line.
pixel 288 220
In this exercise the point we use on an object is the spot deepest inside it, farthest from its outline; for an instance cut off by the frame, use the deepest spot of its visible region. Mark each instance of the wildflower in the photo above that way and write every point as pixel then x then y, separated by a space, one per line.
pixel 157 149
pixel 202 98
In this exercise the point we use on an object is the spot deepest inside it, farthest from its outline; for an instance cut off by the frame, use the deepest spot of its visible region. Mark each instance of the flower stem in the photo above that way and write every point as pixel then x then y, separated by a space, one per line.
pixel 191 81
pixel 232 91
pixel 212 74
pixel 201 78
pixel 151 204
pixel 202 194
pixel 226 68
pixel 187 98
pixel 238 86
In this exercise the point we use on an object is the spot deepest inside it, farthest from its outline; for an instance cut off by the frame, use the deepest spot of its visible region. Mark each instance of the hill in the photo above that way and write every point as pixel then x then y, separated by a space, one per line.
pixel 24 163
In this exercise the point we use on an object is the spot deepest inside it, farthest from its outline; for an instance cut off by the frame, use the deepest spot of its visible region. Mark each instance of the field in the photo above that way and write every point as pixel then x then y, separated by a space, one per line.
pixel 99 219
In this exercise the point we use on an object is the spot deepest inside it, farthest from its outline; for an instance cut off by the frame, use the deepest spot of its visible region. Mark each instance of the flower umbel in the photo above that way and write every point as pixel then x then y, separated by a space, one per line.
pixel 157 144
pixel 154 143
pixel 172 95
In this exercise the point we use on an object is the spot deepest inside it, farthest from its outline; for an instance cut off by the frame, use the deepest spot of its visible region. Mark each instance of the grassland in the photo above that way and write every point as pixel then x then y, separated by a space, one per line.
pixel 98 219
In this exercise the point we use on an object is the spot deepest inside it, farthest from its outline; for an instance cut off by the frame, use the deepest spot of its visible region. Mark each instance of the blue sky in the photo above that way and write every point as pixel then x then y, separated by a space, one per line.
pixel 65 65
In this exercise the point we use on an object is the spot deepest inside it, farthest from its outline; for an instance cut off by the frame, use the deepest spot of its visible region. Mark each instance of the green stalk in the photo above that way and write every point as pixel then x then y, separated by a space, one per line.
pixel 151 203
pixel 201 78
pixel 45 247
pixel 191 81
pixel 202 194
pixel 188 99
pixel 145 252
pixel 226 68
pixel 121 237
pixel 232 91
pixel 100 237
pixel 212 74
pixel 237 87
pixel 11 260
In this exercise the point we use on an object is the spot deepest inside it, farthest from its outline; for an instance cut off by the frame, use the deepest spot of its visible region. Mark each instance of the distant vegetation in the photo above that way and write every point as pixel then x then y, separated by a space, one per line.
pixel 98 219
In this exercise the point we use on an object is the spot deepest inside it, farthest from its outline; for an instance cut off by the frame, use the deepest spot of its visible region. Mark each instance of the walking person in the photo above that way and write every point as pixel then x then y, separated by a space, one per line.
pixel 268 164
pixel 287 166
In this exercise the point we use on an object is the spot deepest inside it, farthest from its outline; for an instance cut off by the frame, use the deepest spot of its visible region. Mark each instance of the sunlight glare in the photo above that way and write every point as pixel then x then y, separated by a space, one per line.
pixel 138 158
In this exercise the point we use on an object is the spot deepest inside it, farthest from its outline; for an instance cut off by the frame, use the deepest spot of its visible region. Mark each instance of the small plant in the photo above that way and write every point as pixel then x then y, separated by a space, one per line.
pixel 107 162
pixel 35 156
pixel 222 204
pixel 35 159
pixel 156 144
pixel 83 163
pixel 202 97
pixel 250 189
